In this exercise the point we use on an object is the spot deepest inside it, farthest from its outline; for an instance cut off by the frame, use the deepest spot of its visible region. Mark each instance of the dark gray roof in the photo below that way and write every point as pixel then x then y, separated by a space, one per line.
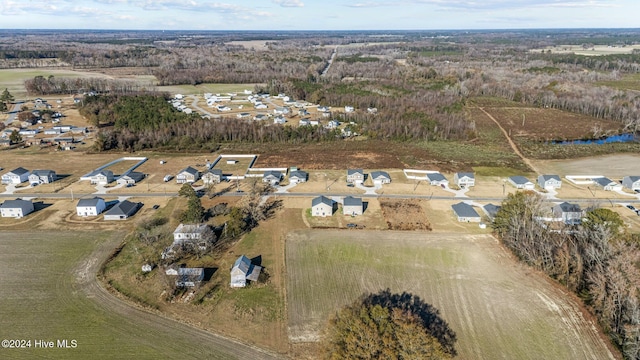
pixel 467 174
pixel 321 200
pixel 355 171
pixel 549 177
pixel 19 171
pixel 43 172
pixel 436 177
pixel 299 174
pixel 216 172
pixel 243 263
pixel 89 202
pixel 124 207
pixel 464 210
pixel 520 180
pixel 633 178
pixel 377 174
pixel 603 181
pixel 15 204
pixel 352 201
pixel 566 207
pixel 189 170
pixel 274 173
pixel 136 176
pixel 107 173
pixel 492 209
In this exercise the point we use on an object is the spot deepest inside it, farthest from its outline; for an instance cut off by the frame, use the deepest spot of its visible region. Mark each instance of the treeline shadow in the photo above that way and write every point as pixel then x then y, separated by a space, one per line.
pixel 427 313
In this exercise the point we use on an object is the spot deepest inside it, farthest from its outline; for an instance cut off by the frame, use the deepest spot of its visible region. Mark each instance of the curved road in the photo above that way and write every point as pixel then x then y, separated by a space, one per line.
pixel 91 286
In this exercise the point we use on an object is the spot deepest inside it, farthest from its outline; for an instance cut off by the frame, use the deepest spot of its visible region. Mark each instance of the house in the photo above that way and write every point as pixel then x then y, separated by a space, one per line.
pixel 465 212
pixel 631 182
pixel 243 115
pixel 304 122
pixel 491 210
pixel 122 210
pixel 212 176
pixel 15 176
pixel 568 213
pixel 187 175
pixel 187 277
pixel 322 206
pixel 437 179
pixel 131 178
pixel 549 182
pixel 349 109
pixel 281 110
pixel 16 208
pixel 372 110
pixel 355 176
pixel 42 177
pixel 90 207
pixel 607 184
pixel 298 176
pixel 333 124
pixel 101 177
pixel 352 206
pixel 5 142
pixel 186 232
pixel 242 271
pixel 521 182
pixel 464 179
pixel 272 177
pixel 380 177
pixel 324 109
pixel 260 117
pixel 279 120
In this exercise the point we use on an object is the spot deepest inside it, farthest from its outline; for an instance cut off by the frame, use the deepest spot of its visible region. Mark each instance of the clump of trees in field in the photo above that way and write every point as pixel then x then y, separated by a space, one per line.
pixel 389 326
pixel 597 260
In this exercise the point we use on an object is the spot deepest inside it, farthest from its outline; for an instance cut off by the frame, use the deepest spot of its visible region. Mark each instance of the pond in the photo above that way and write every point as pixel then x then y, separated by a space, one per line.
pixel 623 138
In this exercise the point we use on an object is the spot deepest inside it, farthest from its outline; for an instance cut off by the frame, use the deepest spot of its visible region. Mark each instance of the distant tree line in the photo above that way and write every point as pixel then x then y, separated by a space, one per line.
pixel 597 260
pixel 51 85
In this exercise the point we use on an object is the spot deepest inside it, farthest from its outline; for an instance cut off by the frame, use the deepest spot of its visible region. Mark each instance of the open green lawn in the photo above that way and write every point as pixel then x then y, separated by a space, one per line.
pixel 497 308
pixel 207 88
pixel 627 82
pixel 41 298
pixel 13 79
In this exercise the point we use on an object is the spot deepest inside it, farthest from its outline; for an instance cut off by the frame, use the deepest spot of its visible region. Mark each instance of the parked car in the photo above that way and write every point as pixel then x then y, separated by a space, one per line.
pixel 632 208
pixel 168 178
pixel 352 225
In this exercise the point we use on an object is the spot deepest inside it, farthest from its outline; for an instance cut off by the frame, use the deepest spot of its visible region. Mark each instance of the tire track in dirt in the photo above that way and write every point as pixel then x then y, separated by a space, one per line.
pixel 155 322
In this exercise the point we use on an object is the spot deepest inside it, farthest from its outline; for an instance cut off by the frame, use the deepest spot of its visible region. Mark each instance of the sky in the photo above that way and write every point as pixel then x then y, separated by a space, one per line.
pixel 317 14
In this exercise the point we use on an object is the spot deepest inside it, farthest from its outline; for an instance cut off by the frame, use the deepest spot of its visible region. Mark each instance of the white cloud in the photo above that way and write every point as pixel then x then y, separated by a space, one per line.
pixel 289 3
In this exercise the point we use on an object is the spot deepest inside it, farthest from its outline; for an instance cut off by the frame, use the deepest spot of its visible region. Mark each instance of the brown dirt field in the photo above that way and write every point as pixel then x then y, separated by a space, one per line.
pixel 550 124
pixel 497 307
pixel 612 166
pixel 405 214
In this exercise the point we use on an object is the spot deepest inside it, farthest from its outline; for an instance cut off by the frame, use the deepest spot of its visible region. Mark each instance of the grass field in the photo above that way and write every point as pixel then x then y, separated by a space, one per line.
pixel 42 299
pixel 207 88
pixel 498 308
pixel 13 79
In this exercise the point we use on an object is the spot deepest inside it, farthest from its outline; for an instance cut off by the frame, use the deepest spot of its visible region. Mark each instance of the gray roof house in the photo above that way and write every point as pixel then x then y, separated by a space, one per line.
pixel 491 210
pixel 189 232
pixel 212 176
pixel 607 184
pixel 272 177
pixel 187 175
pixel 352 206
pixel 101 177
pixel 322 206
pixel 122 210
pixel 567 213
pixel 242 271
pixel 465 212
pixel 90 207
pixel 521 182
pixel 298 176
pixel 15 176
pixel 42 177
pixel 631 182
pixel 355 175
pixel 187 277
pixel 380 177
pixel 437 179
pixel 464 179
pixel 549 182
pixel 130 178
pixel 16 208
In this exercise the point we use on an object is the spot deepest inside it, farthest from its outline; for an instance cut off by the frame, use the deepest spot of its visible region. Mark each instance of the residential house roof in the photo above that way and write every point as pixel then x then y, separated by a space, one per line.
pixel 491 209
pixel 633 178
pixel 89 202
pixel 550 177
pixel 380 174
pixel 246 267
pixel 321 200
pixel 355 171
pixel 567 207
pixel 124 207
pixel 352 201
pixel 603 181
pixel 464 210
pixel 46 173
pixel 298 174
pixel 17 204
pixel 189 170
pixel 273 173
pixel 216 172
pixel 436 177
pixel 190 228
pixel 19 171
pixel 470 175
pixel 520 180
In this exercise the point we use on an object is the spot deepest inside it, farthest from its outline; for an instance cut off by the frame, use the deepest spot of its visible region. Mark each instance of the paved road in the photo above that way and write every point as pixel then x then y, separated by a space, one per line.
pixel 91 286
pixel 13 113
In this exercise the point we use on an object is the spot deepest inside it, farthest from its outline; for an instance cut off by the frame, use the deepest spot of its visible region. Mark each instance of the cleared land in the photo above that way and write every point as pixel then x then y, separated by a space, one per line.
pixel 596 50
pixel 58 299
pixel 498 308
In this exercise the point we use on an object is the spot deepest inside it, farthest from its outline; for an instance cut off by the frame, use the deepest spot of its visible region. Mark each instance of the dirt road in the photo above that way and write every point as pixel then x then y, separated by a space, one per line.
pixel 511 143
pixel 91 286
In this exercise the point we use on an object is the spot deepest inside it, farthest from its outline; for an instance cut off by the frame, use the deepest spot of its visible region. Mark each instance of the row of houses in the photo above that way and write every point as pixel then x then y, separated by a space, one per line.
pixel 212 176
pixel 242 272
pixel 35 177
pixel 19 208
pixel 551 182
pixel 564 212
pixel 323 206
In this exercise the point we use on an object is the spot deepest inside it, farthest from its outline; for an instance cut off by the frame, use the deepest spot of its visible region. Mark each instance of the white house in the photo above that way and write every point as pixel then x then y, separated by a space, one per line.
pixel 186 232
pixel 15 176
pixel 322 206
pixel 549 182
pixel 16 208
pixel 355 176
pixel 437 179
pixel 349 109
pixel 272 177
pixel 242 271
pixel 131 178
pixel 298 176
pixel 42 177
pixel 212 176
pixel 607 184
pixel 90 207
pixel 464 179
pixel 380 177
pixel 352 206
pixel 568 213
pixel 631 182
pixel 521 182
pixel 187 175
pixel 465 212
pixel 101 177
pixel 122 210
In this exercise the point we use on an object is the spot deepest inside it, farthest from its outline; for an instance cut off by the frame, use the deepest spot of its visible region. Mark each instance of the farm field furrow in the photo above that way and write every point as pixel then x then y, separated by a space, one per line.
pixel 497 307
